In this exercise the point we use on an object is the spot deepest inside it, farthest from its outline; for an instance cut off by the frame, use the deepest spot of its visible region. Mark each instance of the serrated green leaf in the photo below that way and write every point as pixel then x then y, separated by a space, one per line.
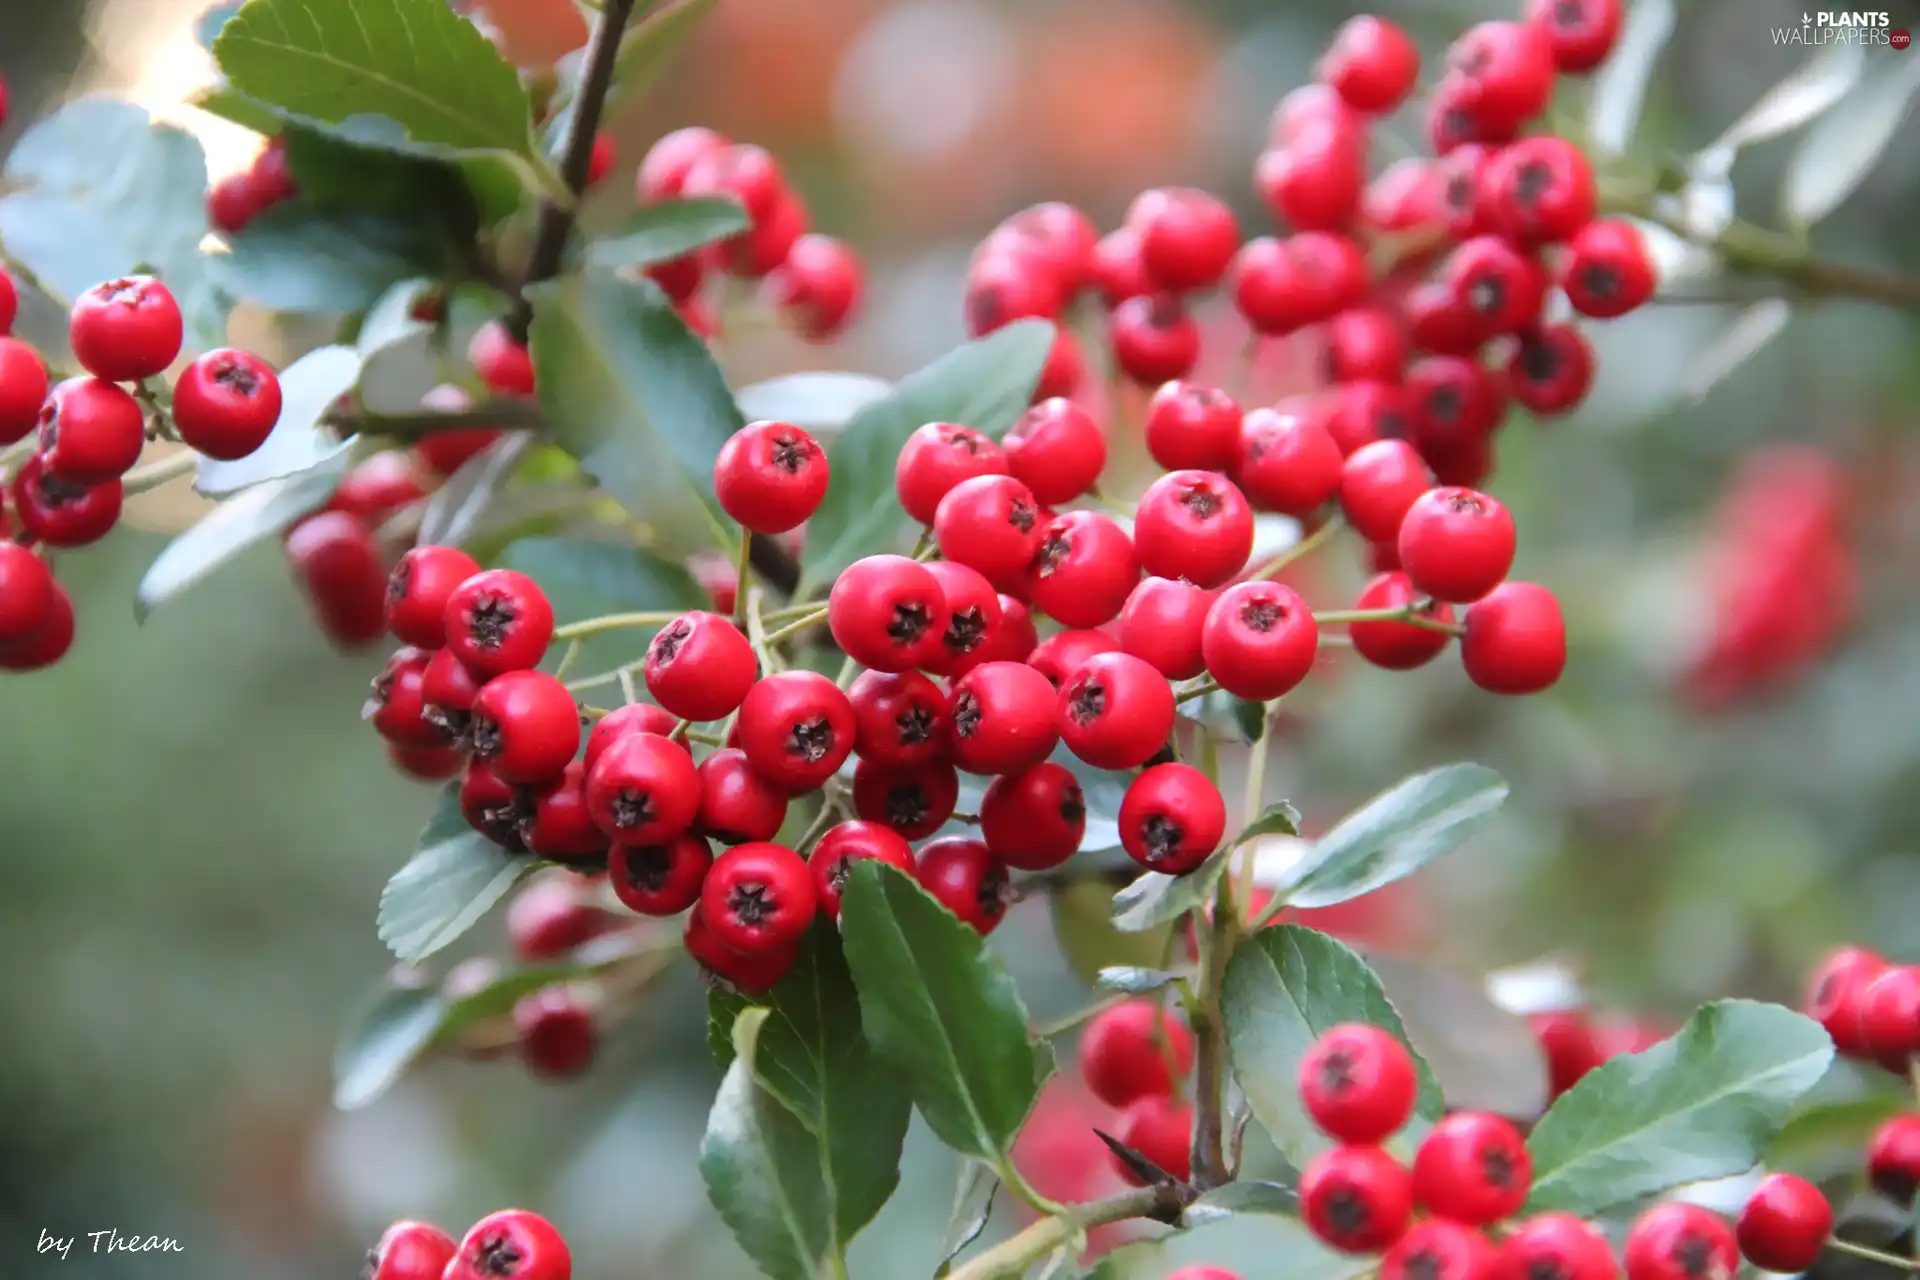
pixel 986 385
pixel 228 103
pixel 941 1007
pixel 409 75
pixel 383 1040
pixel 1134 981
pixel 821 402
pixel 1083 926
pixel 308 389
pixel 1395 834
pixel 972 1209
pixel 590 579
pixel 1834 1130
pixel 1280 819
pixel 672 229
pixel 1284 987
pixel 296 259
pixel 1704 1104
pixel 1155 899
pixel 455 877
pixel 636 396
pixel 262 513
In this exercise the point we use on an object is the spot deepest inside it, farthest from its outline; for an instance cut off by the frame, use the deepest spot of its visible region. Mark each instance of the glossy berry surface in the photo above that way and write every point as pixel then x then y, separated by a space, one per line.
pixel 770 476
pixel 1472 1168
pixel 226 402
pixel 410 1251
pixel 1171 818
pixel 1357 1083
pixel 126 329
pixel 1135 1050
pixel 964 877
pixel 513 1244
pixel 1355 1199
pixel 1784 1225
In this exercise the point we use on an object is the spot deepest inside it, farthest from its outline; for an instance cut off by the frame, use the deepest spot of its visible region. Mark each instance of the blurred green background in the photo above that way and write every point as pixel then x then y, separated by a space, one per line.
pixel 194 825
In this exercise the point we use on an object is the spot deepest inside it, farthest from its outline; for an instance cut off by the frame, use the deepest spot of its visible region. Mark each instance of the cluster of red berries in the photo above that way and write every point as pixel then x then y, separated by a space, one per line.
pixel 1450 1214
pixel 1872 1010
pixel 1431 341
pixel 1574 1042
pixel 234 201
pixel 1134 1056
pixel 90 430
pixel 513 1244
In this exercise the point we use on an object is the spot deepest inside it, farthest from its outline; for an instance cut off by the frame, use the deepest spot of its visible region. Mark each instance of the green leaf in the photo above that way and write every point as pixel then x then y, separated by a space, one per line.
pixel 1254 1244
pixel 1703 1104
pixel 296 259
pixel 389 321
pixel 589 579
pixel 820 402
pixel 940 1006
pixel 1155 899
pixel 455 511
pixel 985 385
pixel 1243 1197
pixel 383 1041
pixel 96 189
pixel 1486 1058
pixel 672 229
pixel 637 398
pixel 402 74
pixel 229 104
pixel 1134 981
pixel 1082 913
pixel 1395 834
pixel 1278 820
pixel 1835 1129
pixel 431 197
pixel 1227 717
pixel 972 1209
pixel 454 878
pixel 1284 987
pixel 308 389
pixel 262 513
pixel 1845 144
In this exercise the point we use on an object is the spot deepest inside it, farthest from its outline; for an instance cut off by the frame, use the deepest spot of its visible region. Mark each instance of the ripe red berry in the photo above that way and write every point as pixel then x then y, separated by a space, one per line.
pixel 843 845
pixel 915 801
pixel 1439 1250
pixel 418 590
pixel 553 914
pixel 1115 268
pixel 410 1251
pixel 1551 369
pixel 27 590
pixel 1259 640
pixel 1154 338
pixel 1116 711
pixel 272 174
pixel 1060 235
pixel 1356 1199
pixel 1159 1128
pixel 1057 450
pixel 1135 1050
pixel 818 287
pixel 936 458
pixel 1496 287
pixel 1082 570
pixel 1371 63
pixel 513 1244
pixel 1358 414
pixel 1784 1225
pixel 770 476
pixel 525 726
pixel 1607 270
pixel 1205 1273
pixel 1034 821
pixel 1456 544
pixel 62 512
pixel 635 717
pixel 1833 996
pixel 991 524
pixel 1192 428
pixel 643 789
pixel 1004 286
pixel 1540 190
pixel 337 565
pixel 1194 525
pixel 1581 32
pixel 225 403
pixel 1065 369
pixel 659 879
pixel 48 644
pixel 737 805
pixel 888 613
pixel 1456 403
pixel 504 365
pixel 378 487
pixel 126 329
pixel 1570 1043
pixel 759 897
pixel 23 389
pixel 90 431
pixel 491 805
pixel 973 614
pixel 1315 182
pixel 9 297
pixel 1397 646
pixel 448 689
pixel 1061 654
pixel 1893 1159
pixel 499 621
pixel 1472 1168
pixel 1562 1245
pixel 1678 1241
pixel 233 203
pixel 1365 344
pixel 396 705
pixel 1357 1083
pixel 964 877
pixel 1002 719
pixel 797 729
pixel 554 822
pixel 1187 237
pixel 900 719
pixel 1161 624
pixel 1378 484
pixel 556 1031
pixel 1508 71
pixel 663 170
pixel 700 667
pixel 1172 818
pixel 1286 462
pixel 740 971
pixel 1516 640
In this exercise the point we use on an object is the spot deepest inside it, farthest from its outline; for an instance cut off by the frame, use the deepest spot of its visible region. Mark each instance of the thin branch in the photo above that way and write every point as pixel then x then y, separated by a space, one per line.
pixel 1013 1257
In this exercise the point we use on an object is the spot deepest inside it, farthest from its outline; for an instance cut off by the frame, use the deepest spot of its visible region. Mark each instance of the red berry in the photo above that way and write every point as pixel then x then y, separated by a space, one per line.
pixel 272 174
pixel 62 512
pixel 916 801
pixel 337 564
pixel 1680 1242
pixel 1116 268
pixel 770 476
pixel 90 431
pixel 1570 1043
pixel 660 879
pixel 1356 1199
pixel 1358 414
pixel 1082 570
pixel 378 487
pixel 1005 286
pixel 1286 462
pixel 1204 1273
pixel 1833 996
pixel 552 916
pixel 1061 654
pixel 1187 237
pixel 396 705
pixel 1785 1224
pixel 557 1036
pixel 847 843
pixel 1607 270
pixel 600 159
pixel 1034 821
pixel 410 1251
pixel 1154 338
pixel 973 614
pixel 759 897
pixel 232 203
pixel 1551 369
pixel 1365 344
pixel 1161 624
pixel 23 389
pixel 1056 450
pixel 1371 63
pixel 796 729
pixel 1456 544
pixel 9 297
pixel 700 667
pixel 1497 287
pixel 888 613
pixel 1194 525
pixel 1508 72
pixel 818 287
pixel 1455 402
pixel 27 590
pixel 554 822
pixel 1116 711
pixel 1002 719
pixel 48 644
pixel 1192 428
pixel 991 524
pixel 900 719
pixel 499 621
pixel 126 329
pixel 448 690
pixel 1562 1245
pixel 1463 195
pixel 418 590
pixel 1581 32
pixel 1890 1016
pixel 1405 197
pixel 491 805
pixel 526 726
pixel 1135 1050
pixel 1259 640
pixel 741 971
pixel 1378 484
pixel 1316 181
pixel 663 170
pixel 511 1245
pixel 643 789
pixel 1357 1083
pixel 226 403
pixel 1439 1250
pixel 1516 640
pixel 635 717
pixel 1159 1128
pixel 1472 1168
pixel 1397 646
pixel 1172 818
pixel 1065 369
pixel 737 805
pixel 504 365
pixel 936 458
pixel 1540 190
pixel 1061 235
pixel 964 877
